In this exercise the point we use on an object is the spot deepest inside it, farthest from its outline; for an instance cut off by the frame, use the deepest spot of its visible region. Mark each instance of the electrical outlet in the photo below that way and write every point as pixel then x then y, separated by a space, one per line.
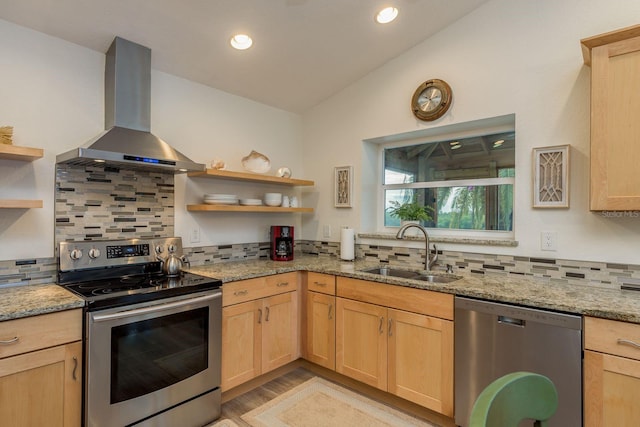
pixel 194 237
pixel 548 241
pixel 326 231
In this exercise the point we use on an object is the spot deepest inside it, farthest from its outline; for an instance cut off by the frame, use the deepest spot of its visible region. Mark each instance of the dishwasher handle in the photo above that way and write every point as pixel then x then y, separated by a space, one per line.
pixel 512 321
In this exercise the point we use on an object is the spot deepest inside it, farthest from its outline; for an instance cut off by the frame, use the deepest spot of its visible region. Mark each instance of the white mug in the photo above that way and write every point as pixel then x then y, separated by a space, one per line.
pixel 285 201
pixel 294 202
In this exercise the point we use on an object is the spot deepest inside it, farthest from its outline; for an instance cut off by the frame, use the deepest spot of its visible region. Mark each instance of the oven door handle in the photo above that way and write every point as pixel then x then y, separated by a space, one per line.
pixel 154 308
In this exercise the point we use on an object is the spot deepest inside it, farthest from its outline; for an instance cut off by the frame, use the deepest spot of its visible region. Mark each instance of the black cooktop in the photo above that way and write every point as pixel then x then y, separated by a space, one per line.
pixel 133 289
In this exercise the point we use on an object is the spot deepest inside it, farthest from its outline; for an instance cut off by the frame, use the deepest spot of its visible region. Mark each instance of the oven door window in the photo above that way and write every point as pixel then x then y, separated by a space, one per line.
pixel 153 354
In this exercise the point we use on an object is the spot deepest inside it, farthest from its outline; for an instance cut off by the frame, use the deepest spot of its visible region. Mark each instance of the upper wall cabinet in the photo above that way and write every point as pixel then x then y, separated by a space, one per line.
pixel 615 111
pixel 25 154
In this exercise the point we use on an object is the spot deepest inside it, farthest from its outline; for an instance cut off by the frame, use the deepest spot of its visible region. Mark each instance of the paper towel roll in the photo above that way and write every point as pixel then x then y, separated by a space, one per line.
pixel 347 244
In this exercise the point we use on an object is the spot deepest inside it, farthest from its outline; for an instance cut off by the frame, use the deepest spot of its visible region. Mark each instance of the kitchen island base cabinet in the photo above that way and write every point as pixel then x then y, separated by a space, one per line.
pixel 260 335
pixel 404 352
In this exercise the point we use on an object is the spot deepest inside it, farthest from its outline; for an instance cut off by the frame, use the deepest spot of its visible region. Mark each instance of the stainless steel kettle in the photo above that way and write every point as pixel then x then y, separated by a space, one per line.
pixel 172 265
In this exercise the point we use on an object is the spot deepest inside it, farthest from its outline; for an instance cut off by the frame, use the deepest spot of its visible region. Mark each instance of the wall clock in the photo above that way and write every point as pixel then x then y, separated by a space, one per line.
pixel 431 100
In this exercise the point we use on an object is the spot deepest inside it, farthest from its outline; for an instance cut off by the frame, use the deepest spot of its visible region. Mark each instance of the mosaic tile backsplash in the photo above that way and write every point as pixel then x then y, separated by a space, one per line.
pixel 555 271
pixel 94 203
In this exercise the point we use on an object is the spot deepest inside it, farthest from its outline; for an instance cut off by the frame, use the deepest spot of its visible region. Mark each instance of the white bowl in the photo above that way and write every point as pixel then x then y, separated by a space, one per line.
pixel 272 203
pixel 273 196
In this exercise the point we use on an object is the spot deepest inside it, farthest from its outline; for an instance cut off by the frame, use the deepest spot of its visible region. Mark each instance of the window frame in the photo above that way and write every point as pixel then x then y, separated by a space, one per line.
pixel 476 128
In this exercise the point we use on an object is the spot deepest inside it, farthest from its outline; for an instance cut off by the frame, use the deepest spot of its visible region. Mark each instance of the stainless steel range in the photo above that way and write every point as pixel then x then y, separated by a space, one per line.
pixel 152 340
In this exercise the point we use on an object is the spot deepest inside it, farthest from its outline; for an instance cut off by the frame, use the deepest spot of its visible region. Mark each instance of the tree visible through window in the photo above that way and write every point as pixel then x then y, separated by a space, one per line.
pixel 468 182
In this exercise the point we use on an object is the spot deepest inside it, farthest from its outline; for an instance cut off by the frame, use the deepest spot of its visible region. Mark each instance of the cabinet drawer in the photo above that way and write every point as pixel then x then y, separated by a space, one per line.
pixel 280 283
pixel 612 337
pixel 323 283
pixel 401 297
pixel 260 287
pixel 38 332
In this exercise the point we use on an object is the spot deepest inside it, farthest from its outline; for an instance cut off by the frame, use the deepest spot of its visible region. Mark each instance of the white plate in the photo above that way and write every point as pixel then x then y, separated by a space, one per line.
pixel 221 202
pixel 220 196
pixel 251 202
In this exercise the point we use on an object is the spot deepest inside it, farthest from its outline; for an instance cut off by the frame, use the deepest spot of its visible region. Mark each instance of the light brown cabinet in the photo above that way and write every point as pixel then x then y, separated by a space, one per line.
pixel 259 327
pixel 320 337
pixel 611 373
pixel 615 106
pixel 41 370
pixel 397 339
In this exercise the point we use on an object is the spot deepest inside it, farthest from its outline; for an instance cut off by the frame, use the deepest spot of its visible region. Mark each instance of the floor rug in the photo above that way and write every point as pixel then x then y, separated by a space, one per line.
pixel 224 423
pixel 320 403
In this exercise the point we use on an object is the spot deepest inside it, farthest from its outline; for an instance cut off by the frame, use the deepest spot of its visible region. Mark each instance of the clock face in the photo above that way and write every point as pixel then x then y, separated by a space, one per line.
pixel 431 100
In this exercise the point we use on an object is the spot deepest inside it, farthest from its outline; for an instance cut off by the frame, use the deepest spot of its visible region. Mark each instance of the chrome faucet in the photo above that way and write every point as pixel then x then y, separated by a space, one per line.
pixel 429 260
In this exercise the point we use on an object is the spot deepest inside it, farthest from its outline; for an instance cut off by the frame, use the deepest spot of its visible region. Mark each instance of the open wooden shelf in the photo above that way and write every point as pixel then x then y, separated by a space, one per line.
pixel 27 154
pixel 240 208
pixel 251 177
pixel 20 204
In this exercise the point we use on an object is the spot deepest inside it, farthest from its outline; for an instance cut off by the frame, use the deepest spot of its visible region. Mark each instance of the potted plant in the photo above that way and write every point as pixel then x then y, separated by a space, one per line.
pixel 410 211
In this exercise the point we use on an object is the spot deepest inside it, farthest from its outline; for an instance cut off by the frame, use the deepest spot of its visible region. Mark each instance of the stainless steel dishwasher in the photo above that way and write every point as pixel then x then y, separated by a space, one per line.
pixel 494 339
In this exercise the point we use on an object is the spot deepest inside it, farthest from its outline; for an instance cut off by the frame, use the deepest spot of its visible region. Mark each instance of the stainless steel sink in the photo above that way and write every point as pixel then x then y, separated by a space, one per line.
pixel 395 272
pixel 436 279
pixel 414 275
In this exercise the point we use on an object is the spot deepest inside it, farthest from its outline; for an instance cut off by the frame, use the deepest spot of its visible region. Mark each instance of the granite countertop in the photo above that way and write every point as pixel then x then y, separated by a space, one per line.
pixel 31 300
pixel 579 299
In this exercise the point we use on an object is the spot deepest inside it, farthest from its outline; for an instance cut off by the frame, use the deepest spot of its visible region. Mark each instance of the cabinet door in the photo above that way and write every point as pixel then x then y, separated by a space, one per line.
pixel 280 331
pixel 611 390
pixel 361 342
pixel 321 329
pixel 421 360
pixel 42 388
pixel 241 343
pixel 615 107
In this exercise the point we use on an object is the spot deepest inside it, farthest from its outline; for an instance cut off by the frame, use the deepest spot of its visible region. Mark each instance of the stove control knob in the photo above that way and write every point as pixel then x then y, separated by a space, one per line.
pixel 94 253
pixel 159 249
pixel 75 254
pixel 172 249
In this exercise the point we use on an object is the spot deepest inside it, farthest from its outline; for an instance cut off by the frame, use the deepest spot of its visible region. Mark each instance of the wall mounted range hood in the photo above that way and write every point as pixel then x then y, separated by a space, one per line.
pixel 127 142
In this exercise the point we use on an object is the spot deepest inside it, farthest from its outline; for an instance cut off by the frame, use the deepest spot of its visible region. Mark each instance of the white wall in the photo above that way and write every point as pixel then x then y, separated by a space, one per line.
pixel 509 56
pixel 52 92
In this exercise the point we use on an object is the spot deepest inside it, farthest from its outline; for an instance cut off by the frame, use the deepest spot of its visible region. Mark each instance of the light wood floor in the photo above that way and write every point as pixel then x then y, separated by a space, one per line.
pixel 244 403
pixel 236 407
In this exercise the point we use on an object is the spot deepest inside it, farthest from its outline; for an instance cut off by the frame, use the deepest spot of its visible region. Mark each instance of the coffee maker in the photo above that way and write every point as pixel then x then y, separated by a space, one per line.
pixel 281 243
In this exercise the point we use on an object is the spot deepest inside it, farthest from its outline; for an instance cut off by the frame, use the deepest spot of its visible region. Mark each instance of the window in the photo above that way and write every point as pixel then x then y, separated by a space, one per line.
pixel 466 179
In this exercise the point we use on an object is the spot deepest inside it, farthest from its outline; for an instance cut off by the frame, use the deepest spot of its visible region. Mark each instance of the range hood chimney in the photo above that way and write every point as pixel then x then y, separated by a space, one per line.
pixel 127 142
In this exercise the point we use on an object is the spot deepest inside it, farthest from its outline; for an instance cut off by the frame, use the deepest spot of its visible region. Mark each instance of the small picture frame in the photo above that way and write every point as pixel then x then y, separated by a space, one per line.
pixel 343 184
pixel 551 177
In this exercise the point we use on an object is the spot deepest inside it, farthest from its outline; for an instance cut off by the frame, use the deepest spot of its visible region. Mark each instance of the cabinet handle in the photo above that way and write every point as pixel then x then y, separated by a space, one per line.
pixel 282 284
pixel 266 318
pixel 75 367
pixel 322 284
pixel 259 315
pixel 390 323
pixel 330 309
pixel 242 292
pixel 380 326
pixel 628 342
pixel 13 340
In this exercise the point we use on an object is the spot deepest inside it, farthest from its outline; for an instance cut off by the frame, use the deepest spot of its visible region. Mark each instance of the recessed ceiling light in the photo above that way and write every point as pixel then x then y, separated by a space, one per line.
pixel 387 15
pixel 454 143
pixel 455 147
pixel 498 143
pixel 241 41
pixel 98 160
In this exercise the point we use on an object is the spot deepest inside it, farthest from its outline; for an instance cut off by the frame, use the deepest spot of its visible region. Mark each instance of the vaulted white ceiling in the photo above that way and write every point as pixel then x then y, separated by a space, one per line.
pixel 304 50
